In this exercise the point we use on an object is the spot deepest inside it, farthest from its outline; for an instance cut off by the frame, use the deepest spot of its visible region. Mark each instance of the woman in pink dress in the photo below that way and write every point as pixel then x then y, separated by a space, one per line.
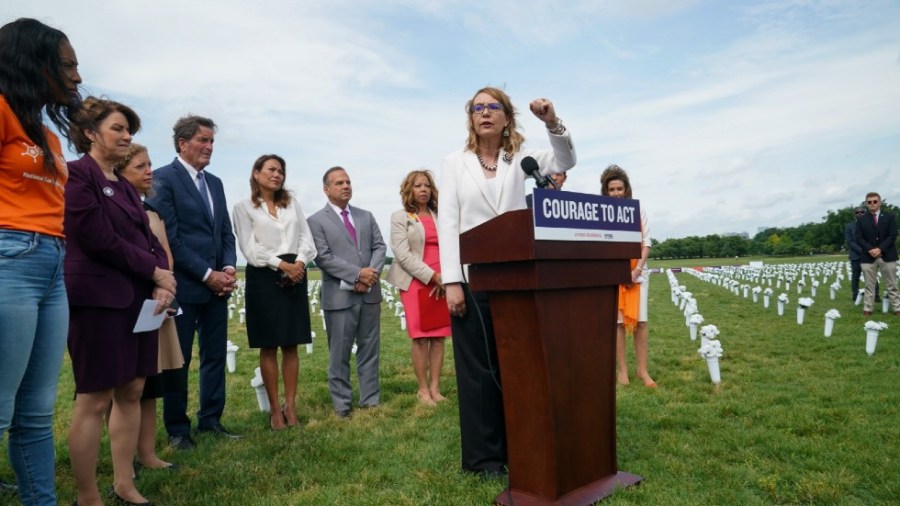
pixel 416 272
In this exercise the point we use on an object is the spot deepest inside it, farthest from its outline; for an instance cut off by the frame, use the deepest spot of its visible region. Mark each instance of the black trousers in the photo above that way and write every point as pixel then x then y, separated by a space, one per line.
pixel 481 424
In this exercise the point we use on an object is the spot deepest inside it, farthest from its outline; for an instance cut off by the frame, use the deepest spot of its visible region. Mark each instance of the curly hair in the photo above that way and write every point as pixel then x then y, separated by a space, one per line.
pixel 406 191
pixel 510 144
pixel 30 71
pixel 93 111
pixel 282 197
pixel 614 173
pixel 133 151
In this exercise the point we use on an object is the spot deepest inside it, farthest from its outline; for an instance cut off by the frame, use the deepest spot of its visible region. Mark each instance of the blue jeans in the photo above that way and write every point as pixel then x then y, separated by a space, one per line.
pixel 34 324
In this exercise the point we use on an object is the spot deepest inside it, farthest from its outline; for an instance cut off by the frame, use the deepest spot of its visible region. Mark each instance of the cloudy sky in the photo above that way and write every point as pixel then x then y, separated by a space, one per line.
pixel 728 115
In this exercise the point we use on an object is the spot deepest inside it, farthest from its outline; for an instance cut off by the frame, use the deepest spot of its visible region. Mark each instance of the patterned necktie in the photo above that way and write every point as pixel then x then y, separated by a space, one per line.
pixel 349 226
pixel 204 193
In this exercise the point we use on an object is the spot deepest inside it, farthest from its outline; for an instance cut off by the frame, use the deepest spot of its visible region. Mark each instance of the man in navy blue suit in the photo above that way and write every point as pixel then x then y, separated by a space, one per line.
pixel 191 201
pixel 876 233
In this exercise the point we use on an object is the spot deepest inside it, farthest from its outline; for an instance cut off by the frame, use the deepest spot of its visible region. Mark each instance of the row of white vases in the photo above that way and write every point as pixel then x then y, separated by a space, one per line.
pixel 871 335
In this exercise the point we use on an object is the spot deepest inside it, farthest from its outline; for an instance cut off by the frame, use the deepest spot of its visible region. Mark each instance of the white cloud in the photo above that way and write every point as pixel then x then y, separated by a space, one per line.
pixel 788 112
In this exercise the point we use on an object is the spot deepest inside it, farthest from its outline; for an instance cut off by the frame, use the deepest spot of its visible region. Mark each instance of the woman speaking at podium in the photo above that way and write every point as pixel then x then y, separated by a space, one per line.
pixel 480 182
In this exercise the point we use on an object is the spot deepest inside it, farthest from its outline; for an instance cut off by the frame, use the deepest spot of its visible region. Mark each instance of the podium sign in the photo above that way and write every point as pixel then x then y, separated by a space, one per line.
pixel 553 305
pixel 571 216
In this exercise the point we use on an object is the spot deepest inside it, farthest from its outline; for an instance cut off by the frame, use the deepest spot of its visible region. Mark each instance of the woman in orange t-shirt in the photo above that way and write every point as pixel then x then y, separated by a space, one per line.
pixel 38 75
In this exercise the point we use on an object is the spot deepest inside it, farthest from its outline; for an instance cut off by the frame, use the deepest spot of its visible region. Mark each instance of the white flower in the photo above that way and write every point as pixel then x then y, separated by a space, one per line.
pixel 835 286
pixel 709 331
pixel 696 319
pixel 873 325
pixel 833 314
pixel 711 349
pixel 757 289
pixel 805 302
pixel 768 291
pixel 815 283
pixel 784 298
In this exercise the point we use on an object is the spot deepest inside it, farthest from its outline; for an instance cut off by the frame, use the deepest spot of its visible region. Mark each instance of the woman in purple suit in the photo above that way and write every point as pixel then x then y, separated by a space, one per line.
pixel 113 264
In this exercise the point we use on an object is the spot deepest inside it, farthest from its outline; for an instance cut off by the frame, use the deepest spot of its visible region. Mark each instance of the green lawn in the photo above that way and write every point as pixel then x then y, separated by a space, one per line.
pixel 797 419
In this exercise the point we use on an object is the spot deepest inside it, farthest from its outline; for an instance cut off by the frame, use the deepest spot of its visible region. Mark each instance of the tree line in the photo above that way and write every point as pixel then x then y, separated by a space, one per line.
pixel 825 237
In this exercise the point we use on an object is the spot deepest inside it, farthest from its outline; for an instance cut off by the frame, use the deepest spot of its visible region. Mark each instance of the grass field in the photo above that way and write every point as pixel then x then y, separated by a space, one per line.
pixel 797 419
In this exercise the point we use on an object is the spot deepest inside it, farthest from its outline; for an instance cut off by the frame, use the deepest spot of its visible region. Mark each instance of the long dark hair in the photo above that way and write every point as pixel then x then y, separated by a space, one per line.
pixel 282 197
pixel 30 69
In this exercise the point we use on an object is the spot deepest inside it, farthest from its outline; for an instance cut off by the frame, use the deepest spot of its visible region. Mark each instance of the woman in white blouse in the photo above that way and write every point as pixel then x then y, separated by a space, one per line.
pixel 277 243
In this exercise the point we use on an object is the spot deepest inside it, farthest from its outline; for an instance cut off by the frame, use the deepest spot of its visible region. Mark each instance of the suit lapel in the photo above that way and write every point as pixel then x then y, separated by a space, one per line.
pixel 339 223
pixel 117 194
pixel 184 177
pixel 473 169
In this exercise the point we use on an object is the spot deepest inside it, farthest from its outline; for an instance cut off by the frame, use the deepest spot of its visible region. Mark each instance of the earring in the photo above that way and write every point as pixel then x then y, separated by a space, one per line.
pixel 505 132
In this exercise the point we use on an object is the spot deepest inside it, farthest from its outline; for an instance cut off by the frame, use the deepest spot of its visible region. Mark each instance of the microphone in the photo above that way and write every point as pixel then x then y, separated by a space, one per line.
pixel 530 166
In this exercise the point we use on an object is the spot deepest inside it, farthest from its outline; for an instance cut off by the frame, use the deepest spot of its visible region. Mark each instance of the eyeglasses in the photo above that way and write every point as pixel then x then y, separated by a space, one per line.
pixel 871 202
pixel 491 107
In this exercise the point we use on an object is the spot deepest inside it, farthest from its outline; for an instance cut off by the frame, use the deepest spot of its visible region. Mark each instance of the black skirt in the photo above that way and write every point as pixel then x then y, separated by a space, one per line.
pixel 276 315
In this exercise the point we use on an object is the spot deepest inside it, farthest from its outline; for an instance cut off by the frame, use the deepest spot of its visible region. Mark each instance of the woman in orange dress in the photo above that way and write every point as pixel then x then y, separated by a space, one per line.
pixel 416 268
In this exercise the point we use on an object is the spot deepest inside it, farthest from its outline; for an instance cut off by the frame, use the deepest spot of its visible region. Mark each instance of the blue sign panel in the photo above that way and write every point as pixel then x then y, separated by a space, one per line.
pixel 571 216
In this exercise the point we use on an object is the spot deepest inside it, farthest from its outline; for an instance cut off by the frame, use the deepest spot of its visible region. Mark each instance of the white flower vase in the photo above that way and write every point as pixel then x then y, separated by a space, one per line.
pixel 787 286
pixel 693 328
pixel 231 358
pixel 801 312
pixel 712 363
pixel 871 341
pixel 766 301
pixel 832 293
pixel 755 297
pixel 859 298
pixel 813 290
pixel 746 292
pixel 799 289
pixel 780 308
pixel 829 326
pixel 884 303
pixel 261 398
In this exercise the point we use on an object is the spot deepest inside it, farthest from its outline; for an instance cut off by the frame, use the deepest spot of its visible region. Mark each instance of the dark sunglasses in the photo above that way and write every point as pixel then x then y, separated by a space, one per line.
pixel 871 202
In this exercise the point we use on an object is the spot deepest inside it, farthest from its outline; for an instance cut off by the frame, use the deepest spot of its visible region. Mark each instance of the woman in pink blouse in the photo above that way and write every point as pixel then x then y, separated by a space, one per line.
pixel 417 270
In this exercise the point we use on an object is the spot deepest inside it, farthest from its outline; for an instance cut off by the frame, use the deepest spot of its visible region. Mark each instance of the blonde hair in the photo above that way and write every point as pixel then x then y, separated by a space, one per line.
pixel 133 151
pixel 511 143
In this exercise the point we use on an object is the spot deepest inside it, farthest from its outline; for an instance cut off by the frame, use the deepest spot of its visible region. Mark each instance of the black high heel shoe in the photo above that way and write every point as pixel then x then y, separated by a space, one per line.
pixel 117 499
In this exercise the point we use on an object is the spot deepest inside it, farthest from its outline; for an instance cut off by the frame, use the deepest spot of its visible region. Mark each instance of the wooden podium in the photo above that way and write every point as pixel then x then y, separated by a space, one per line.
pixel 554 313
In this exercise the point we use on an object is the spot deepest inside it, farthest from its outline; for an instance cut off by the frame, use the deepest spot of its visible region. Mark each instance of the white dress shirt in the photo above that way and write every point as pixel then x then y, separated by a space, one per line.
pixel 263 237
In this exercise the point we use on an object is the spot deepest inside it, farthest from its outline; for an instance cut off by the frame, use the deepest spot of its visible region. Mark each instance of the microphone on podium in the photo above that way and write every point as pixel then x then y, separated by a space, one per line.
pixel 530 166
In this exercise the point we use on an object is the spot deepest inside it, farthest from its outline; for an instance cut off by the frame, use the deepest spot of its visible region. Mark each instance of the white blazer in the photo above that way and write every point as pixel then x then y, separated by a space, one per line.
pixel 466 201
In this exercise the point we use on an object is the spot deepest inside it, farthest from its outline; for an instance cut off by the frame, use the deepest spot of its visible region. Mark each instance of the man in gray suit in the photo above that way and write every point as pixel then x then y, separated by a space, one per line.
pixel 351 255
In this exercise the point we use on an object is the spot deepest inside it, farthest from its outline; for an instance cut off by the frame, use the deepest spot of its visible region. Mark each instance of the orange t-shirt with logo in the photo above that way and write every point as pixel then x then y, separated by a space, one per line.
pixel 31 200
